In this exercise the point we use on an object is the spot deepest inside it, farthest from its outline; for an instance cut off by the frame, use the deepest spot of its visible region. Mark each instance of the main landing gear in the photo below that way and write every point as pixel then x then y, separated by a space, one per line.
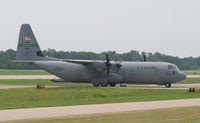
pixel 112 84
pixel 96 85
pixel 105 85
pixel 168 85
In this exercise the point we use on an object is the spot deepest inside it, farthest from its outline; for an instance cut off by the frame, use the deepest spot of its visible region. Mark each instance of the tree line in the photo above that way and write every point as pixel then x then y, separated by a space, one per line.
pixel 188 63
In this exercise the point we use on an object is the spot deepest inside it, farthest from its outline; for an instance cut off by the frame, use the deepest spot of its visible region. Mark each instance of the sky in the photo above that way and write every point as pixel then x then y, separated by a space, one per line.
pixel 171 27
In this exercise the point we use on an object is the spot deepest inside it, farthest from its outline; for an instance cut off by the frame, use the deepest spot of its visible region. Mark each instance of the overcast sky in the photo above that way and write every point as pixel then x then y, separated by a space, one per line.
pixel 171 27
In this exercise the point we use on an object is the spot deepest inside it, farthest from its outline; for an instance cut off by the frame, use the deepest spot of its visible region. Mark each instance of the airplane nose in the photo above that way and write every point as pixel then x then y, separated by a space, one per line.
pixel 182 76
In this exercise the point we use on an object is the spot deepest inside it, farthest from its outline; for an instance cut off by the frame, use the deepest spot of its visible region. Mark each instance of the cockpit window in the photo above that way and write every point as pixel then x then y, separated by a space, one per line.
pixel 177 68
pixel 171 67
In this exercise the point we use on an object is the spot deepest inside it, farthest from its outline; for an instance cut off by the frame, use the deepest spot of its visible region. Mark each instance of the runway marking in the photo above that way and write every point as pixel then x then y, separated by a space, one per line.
pixel 47 112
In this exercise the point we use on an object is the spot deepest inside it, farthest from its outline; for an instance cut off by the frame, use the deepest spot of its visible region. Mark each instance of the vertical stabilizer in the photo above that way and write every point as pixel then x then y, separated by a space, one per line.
pixel 28 48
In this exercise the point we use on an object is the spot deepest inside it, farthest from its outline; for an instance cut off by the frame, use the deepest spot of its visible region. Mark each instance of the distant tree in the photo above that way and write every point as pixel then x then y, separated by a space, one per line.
pixel 188 63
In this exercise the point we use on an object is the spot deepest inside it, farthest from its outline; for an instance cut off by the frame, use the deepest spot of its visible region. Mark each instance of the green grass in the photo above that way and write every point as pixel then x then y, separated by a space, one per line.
pixel 171 115
pixel 32 97
pixel 190 81
pixel 40 81
pixel 192 72
pixel 26 81
pixel 23 72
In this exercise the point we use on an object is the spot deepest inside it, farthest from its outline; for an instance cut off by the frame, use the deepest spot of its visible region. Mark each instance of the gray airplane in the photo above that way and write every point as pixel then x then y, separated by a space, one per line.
pixel 97 72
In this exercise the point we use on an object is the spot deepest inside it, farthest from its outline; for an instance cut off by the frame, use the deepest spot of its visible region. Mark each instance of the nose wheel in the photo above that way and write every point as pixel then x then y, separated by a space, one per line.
pixel 168 85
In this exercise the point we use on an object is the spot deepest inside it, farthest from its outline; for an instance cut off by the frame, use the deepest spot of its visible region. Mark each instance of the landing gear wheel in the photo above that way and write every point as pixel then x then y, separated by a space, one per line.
pixel 96 85
pixel 168 85
pixel 112 84
pixel 104 85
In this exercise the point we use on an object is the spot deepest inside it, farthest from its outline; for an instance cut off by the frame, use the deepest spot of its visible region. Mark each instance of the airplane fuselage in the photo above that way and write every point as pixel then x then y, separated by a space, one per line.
pixel 130 72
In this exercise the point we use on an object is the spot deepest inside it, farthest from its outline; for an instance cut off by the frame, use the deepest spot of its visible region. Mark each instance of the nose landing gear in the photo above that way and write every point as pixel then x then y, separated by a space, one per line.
pixel 168 85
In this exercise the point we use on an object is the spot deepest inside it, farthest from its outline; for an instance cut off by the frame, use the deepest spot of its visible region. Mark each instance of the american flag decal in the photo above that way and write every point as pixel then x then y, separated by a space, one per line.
pixel 27 38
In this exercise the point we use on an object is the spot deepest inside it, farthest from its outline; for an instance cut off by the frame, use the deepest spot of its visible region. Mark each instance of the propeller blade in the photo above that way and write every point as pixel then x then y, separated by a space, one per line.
pixel 145 59
pixel 108 70
pixel 107 63
pixel 107 58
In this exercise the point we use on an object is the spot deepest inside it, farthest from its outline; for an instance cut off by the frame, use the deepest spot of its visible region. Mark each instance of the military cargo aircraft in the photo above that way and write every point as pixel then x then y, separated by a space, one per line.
pixel 97 72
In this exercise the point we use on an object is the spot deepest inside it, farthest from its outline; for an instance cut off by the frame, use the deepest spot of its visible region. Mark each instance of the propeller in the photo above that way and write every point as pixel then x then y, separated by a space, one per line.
pixel 145 58
pixel 108 64
pixel 118 66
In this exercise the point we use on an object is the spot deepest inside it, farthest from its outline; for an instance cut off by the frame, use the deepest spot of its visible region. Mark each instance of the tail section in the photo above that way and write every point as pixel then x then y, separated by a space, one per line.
pixel 28 48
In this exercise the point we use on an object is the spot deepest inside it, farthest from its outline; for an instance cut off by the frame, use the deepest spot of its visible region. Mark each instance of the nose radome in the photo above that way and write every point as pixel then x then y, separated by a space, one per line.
pixel 183 76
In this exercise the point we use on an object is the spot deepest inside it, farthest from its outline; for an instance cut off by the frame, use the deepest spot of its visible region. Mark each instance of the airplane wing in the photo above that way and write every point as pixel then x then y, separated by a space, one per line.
pixel 91 64
pixel 84 62
pixel 96 65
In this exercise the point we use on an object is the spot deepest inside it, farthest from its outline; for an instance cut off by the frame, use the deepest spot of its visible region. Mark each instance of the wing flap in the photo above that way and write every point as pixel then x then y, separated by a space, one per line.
pixel 90 64
pixel 83 62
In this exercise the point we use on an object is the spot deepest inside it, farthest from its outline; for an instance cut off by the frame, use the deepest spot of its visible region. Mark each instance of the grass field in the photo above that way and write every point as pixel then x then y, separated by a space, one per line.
pixel 41 81
pixel 32 97
pixel 23 72
pixel 192 72
pixel 171 115
pixel 190 81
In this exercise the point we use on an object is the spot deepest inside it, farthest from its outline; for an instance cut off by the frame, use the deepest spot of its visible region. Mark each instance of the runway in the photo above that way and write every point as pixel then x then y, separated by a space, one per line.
pixel 151 86
pixel 193 76
pixel 28 77
pixel 5 86
pixel 47 112
pixel 154 86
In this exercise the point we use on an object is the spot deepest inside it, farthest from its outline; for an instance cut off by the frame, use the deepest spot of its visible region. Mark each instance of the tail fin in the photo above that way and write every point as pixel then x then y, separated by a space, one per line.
pixel 28 48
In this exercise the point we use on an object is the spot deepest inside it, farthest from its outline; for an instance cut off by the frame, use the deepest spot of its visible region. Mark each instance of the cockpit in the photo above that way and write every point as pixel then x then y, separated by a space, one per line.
pixel 173 71
pixel 173 67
